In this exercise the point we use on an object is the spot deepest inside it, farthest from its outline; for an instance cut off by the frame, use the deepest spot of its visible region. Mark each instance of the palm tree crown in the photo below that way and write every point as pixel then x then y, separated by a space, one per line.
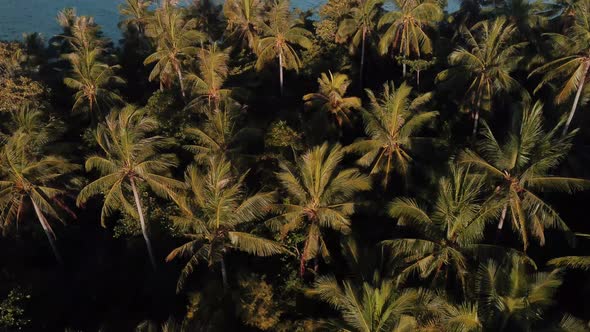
pixel 213 212
pixel 211 74
pixel 28 177
pixel 320 196
pixel 370 307
pixel 175 37
pixel 574 66
pixel 244 18
pixel 511 297
pixel 359 25
pixel 520 168
pixel 330 97
pixel 280 35
pixel 391 125
pixel 406 27
pixel 448 233
pixel 488 59
pixel 219 135
pixel 131 156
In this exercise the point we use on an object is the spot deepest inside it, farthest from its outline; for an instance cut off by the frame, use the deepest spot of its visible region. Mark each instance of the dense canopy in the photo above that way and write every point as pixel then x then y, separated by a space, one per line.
pixel 368 165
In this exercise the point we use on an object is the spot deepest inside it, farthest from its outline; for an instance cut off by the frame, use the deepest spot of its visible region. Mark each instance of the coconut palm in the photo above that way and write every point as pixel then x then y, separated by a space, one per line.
pixel 93 82
pixel 212 71
pixel 135 14
pixel 376 306
pixel 449 233
pixel 391 125
pixel 30 179
pixel 574 65
pixel 520 169
pixel 488 59
pixel 244 18
pixel 214 213
pixel 280 36
pixel 219 136
pixel 175 37
pixel 511 297
pixel 407 24
pixel 85 35
pixel 330 97
pixel 131 158
pixel 359 25
pixel 319 195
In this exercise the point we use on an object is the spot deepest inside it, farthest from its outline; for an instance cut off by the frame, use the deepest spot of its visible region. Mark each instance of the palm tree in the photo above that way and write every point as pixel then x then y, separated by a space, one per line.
pixel 213 214
pixel 211 75
pixel 391 125
pixel 320 195
pixel 85 35
pixel 219 136
pixel 91 78
pixel 280 35
pixel 488 59
pixel 131 157
pixel 244 18
pixel 376 306
pixel 406 28
pixel 449 233
pixel 135 13
pixel 359 26
pixel 330 97
pixel 575 65
pixel 510 297
pixel 31 178
pixel 520 168
pixel 175 37
pixel 92 81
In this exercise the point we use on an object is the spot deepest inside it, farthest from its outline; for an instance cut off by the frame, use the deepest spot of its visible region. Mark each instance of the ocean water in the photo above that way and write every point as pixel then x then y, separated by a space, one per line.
pixel 26 16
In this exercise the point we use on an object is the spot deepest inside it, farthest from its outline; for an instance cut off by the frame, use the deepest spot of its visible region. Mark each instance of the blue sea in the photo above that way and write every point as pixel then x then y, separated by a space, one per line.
pixel 26 16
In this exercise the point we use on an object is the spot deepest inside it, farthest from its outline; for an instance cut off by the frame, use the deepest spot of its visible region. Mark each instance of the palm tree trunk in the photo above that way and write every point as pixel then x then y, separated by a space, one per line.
pixel 475 122
pixel 48 231
pixel 223 273
pixel 363 55
pixel 576 100
pixel 302 258
pixel 404 69
pixel 142 223
pixel 281 71
pixel 503 216
pixel 179 73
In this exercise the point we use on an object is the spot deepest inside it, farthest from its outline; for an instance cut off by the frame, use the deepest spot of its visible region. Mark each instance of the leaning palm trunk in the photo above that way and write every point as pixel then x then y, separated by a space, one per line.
pixel 363 55
pixel 281 71
pixel 48 231
pixel 475 122
pixel 404 68
pixel 576 100
pixel 503 216
pixel 179 73
pixel 142 223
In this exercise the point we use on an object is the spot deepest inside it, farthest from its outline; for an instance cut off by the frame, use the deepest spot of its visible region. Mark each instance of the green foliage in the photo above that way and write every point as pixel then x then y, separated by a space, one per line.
pixel 257 307
pixel 12 314
pixel 268 178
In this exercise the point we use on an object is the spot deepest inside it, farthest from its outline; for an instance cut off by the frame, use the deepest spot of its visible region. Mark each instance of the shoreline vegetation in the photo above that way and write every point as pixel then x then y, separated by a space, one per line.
pixel 371 166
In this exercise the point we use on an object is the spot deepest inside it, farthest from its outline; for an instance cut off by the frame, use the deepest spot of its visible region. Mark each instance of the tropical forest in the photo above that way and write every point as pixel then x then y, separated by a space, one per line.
pixel 245 165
